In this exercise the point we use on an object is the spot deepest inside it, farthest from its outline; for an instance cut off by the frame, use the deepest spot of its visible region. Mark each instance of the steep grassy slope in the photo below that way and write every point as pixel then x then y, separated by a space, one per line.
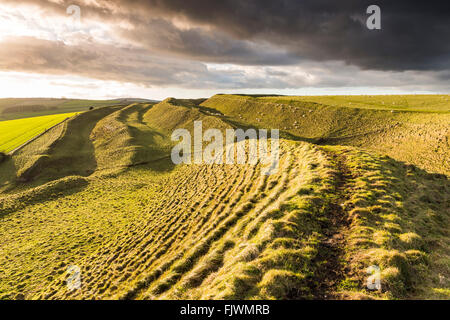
pixel 62 151
pixel 26 155
pixel 112 139
pixel 140 133
pixel 71 154
pixel 172 114
pixel 139 227
pixel 420 138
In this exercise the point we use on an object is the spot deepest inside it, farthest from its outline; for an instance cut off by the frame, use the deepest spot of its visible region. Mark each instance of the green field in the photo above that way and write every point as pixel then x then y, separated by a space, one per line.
pixel 14 133
pixel 357 187
pixel 34 107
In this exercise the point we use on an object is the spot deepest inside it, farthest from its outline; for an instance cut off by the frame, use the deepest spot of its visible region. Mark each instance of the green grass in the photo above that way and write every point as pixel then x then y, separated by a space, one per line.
pixel 398 218
pixel 14 133
pixel 101 193
pixel 414 103
pixel 419 138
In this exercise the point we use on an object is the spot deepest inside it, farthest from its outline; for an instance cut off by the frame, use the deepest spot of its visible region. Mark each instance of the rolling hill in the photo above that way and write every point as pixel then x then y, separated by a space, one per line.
pixel 413 132
pixel 357 187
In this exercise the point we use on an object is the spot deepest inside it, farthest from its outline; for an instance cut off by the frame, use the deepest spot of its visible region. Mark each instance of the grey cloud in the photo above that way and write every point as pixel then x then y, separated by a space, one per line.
pixel 163 37
pixel 97 61
pixel 326 40
pixel 414 33
pixel 135 65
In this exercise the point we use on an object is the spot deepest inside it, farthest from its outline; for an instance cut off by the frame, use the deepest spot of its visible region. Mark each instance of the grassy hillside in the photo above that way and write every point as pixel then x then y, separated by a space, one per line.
pixel 419 138
pixel 64 150
pixel 102 194
pixel 416 103
pixel 14 133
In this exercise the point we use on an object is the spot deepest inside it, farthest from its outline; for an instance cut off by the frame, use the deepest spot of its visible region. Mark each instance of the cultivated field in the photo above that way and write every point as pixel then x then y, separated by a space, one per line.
pixel 28 107
pixel 14 133
pixel 357 187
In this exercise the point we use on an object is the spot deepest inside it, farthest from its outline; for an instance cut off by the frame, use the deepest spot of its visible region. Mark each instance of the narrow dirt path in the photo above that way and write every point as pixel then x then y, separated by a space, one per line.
pixel 331 256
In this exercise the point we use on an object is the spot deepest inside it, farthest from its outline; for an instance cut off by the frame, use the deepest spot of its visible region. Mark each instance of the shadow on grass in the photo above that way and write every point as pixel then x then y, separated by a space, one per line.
pixel 72 154
pixel 8 174
pixel 47 192
pixel 152 148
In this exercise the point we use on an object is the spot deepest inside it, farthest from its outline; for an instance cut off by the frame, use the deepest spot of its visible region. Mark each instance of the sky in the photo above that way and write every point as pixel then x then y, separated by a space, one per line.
pixel 103 49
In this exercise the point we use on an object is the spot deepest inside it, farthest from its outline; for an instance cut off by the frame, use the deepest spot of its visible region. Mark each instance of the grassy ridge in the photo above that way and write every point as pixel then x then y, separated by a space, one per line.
pixel 415 103
pixel 419 138
pixel 111 139
pixel 172 114
pixel 141 228
pixel 397 219
pixel 52 155
pixel 61 160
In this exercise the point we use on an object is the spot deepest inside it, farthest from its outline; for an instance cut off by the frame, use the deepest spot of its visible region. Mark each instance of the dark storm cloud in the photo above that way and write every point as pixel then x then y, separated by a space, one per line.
pixel 415 34
pixel 199 44
pixel 232 44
